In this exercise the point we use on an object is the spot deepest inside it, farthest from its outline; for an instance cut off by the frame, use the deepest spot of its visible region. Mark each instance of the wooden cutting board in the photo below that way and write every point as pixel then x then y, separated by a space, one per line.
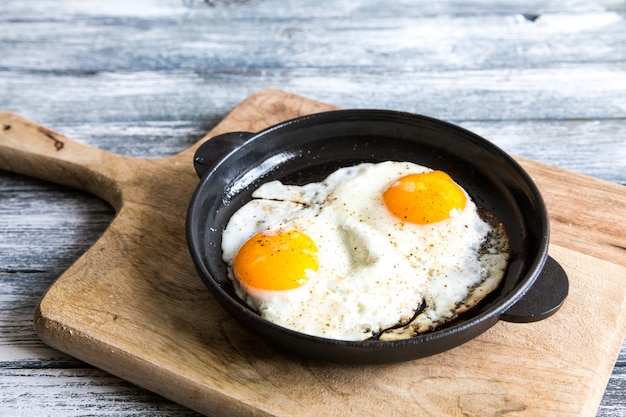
pixel 133 304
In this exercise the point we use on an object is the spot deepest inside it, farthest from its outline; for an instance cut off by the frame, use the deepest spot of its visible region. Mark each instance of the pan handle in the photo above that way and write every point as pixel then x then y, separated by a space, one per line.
pixel 544 298
pixel 214 149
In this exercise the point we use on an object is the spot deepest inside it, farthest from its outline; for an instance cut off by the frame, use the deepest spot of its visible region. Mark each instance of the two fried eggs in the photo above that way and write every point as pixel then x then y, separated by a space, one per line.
pixel 385 250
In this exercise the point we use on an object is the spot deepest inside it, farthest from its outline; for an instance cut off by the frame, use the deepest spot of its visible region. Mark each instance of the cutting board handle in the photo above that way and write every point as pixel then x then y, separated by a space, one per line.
pixel 30 149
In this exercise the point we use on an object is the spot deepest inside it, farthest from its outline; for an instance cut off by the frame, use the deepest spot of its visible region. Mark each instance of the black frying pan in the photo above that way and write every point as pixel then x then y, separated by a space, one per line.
pixel 308 148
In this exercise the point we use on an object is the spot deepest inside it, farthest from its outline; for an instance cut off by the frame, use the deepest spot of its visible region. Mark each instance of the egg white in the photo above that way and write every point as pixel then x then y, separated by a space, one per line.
pixel 375 270
pixel 351 296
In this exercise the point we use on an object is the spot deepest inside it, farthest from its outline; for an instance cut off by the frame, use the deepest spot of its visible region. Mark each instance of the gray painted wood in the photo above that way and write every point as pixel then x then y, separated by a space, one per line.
pixel 543 80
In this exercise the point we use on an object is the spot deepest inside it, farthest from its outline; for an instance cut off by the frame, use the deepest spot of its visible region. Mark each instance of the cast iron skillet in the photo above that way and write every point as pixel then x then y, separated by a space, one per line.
pixel 308 148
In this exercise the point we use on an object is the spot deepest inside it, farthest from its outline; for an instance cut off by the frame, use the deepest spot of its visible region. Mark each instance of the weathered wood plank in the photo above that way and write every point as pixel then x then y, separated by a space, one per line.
pixel 544 80
pixel 482 95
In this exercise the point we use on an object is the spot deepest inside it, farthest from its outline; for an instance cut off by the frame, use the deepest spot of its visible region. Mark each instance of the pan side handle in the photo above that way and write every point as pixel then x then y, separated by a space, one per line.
pixel 31 149
pixel 544 298
pixel 211 151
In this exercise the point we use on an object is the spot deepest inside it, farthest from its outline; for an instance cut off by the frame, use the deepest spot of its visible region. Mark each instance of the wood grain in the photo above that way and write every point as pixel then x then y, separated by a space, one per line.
pixel 146 317
pixel 542 79
pixel 584 214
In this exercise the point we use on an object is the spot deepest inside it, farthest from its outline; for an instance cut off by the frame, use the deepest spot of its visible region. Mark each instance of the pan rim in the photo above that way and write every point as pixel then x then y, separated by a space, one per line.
pixel 351 115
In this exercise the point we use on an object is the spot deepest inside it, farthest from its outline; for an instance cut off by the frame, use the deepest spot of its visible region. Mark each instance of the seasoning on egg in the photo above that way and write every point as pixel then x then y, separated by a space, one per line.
pixel 385 250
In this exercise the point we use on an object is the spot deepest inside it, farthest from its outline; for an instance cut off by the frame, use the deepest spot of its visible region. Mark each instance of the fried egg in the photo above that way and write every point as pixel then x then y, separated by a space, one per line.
pixel 385 250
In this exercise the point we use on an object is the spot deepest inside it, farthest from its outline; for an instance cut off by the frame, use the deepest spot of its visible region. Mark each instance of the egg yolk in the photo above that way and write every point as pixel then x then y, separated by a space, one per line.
pixel 276 260
pixel 424 198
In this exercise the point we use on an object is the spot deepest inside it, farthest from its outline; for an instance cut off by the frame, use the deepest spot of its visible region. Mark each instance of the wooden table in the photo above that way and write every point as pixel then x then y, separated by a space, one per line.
pixel 545 81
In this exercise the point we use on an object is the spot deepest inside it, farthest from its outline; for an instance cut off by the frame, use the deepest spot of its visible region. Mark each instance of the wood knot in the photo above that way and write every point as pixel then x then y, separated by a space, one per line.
pixel 58 144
